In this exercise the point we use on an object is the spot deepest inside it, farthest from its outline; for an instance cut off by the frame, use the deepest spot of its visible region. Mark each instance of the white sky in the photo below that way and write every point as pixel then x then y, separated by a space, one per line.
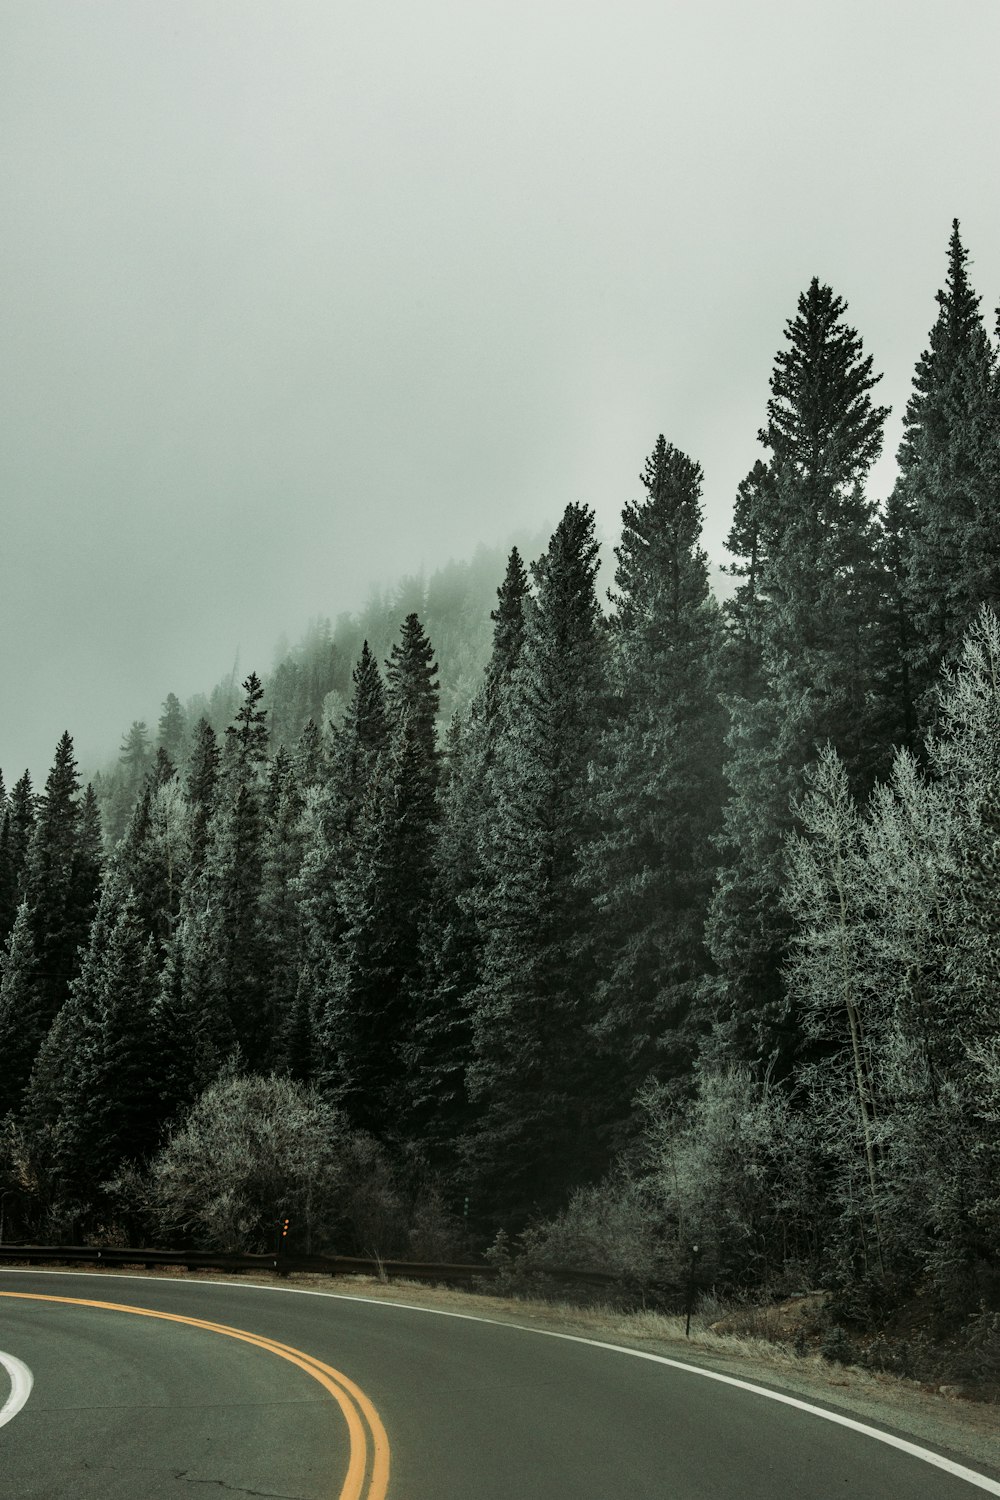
pixel 296 296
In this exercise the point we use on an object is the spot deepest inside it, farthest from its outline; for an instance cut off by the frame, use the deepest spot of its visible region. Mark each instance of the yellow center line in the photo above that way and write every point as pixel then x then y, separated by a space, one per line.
pixel 352 1401
pixel 379 1483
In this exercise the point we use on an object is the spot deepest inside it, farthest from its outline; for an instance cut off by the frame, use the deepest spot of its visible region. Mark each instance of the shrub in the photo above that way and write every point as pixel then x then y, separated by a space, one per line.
pixel 836 1347
pixel 735 1177
pixel 610 1227
pixel 249 1150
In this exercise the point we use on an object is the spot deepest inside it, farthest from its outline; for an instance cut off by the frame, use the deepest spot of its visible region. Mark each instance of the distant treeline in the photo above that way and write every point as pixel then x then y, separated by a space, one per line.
pixel 312 680
pixel 683 931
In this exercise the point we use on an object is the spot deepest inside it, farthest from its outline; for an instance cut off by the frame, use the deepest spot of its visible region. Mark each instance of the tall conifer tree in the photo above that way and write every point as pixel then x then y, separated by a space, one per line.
pixel 657 784
pixel 310 757
pixel 188 1036
pixel 246 737
pixel 440 1052
pixel 232 952
pixel 384 897
pixel 171 731
pixel 949 463
pixel 89 863
pixel 532 1063
pixel 23 1011
pixel 112 1103
pixel 15 837
pixel 817 611
pixel 281 915
pixel 365 734
pixel 201 790
pixel 331 818
pixel 152 858
pixel 748 541
pixel 60 886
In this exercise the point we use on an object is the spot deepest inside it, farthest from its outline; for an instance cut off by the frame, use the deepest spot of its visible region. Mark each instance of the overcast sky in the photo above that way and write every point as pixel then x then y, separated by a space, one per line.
pixel 297 296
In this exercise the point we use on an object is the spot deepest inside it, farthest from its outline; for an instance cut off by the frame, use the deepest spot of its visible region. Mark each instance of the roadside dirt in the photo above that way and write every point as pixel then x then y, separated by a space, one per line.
pixel 964 1430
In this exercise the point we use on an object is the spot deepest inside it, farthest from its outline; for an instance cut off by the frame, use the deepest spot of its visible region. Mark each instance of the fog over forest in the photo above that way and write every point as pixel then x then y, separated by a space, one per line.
pixel 293 302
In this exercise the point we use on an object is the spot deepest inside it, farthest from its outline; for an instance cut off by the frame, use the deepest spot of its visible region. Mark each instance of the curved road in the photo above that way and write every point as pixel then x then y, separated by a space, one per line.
pixel 225 1389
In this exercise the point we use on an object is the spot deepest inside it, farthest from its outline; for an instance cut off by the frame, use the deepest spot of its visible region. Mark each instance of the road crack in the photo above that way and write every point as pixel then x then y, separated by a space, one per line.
pixel 238 1489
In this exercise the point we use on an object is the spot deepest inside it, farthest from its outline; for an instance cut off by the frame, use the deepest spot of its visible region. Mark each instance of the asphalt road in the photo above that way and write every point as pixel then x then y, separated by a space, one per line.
pixel 132 1407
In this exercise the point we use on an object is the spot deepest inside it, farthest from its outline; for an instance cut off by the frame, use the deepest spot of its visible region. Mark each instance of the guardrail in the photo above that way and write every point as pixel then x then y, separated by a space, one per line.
pixel 283 1264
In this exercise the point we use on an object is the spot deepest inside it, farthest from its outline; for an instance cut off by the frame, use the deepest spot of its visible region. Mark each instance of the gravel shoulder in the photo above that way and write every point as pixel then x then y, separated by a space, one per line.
pixel 965 1430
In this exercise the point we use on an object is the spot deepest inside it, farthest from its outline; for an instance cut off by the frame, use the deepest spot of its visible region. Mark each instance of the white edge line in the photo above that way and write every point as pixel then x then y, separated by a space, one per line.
pixel 21 1381
pixel 926 1455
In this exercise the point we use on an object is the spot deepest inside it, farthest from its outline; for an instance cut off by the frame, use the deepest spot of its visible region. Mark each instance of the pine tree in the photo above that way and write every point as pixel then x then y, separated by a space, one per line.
pixel 749 540
pixel 23 1012
pixel 152 858
pixel 439 1055
pixel 322 924
pixel 384 896
pixel 246 737
pixel 201 790
pixel 299 1039
pixel 821 577
pixel 821 424
pixel 657 785
pixel 281 916
pixel 330 820
pixel 949 467
pixel 124 786
pixel 113 1107
pixel 171 731
pixel 365 733
pixel 470 791
pixel 186 1039
pixel 816 607
pixel 310 758
pixel 231 951
pixel 894 682
pixel 413 758
pixel 40 1128
pixel 287 697
pixel 15 836
pixel 438 1050
pixel 532 1065
pixel 162 771
pixel 508 639
pixel 190 987
pixel 134 757
pixel 23 808
pixel 53 1083
pixel 88 864
pixel 8 876
pixel 60 884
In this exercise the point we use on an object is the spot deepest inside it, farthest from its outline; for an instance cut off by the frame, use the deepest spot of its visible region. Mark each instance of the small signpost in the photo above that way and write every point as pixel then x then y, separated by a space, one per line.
pixel 281 1246
pixel 690 1291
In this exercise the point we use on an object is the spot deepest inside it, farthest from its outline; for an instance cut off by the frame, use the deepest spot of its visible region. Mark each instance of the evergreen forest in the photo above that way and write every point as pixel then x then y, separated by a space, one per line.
pixel 644 921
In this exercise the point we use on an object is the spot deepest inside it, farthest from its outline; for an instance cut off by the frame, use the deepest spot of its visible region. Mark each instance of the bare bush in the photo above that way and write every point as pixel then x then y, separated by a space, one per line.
pixel 609 1227
pixel 250 1150
pixel 372 1202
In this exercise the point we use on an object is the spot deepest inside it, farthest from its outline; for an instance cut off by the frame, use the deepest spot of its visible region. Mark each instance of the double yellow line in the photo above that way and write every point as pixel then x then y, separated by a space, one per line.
pixel 367 1475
